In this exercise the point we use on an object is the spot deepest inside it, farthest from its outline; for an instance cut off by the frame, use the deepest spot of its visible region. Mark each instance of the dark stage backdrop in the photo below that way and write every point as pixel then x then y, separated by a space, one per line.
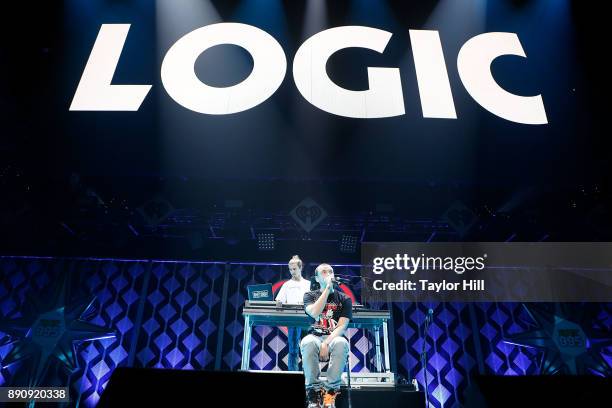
pixel 187 315
pixel 73 183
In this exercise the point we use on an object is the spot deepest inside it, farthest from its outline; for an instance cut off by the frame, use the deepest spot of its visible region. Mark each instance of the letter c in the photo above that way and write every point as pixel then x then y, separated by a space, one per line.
pixel 474 65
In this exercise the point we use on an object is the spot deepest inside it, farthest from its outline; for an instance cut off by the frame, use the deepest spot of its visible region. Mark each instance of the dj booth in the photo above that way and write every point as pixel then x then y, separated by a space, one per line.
pixel 271 313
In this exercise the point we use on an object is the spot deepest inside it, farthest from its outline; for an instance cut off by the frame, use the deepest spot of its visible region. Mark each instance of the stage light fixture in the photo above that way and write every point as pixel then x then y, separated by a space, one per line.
pixel 348 244
pixel 265 241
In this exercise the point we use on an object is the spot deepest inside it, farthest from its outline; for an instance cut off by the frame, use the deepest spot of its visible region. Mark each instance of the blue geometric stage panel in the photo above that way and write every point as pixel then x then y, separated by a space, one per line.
pixel 21 278
pixel 451 358
pixel 496 321
pixel 188 315
pixel 268 344
pixel 116 285
pixel 181 316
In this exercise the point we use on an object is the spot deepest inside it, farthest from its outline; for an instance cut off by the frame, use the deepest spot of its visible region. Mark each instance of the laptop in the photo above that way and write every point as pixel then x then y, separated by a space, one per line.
pixel 260 292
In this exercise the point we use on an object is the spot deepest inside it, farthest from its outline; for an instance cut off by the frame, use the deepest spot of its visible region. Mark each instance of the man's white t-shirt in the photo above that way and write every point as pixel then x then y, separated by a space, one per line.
pixel 292 291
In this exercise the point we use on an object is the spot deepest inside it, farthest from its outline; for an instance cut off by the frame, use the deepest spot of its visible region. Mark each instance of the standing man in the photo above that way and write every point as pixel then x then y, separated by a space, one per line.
pixel 292 292
pixel 331 311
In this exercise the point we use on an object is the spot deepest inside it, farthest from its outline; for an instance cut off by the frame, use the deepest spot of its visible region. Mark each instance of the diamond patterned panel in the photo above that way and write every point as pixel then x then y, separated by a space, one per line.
pixel 268 344
pixel 496 320
pixel 20 278
pixel 181 316
pixel 178 314
pixel 117 286
pixel 449 345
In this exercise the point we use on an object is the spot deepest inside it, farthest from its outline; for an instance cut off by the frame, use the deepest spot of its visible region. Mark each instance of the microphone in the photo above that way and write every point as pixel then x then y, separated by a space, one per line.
pixel 429 317
pixel 335 280
pixel 314 285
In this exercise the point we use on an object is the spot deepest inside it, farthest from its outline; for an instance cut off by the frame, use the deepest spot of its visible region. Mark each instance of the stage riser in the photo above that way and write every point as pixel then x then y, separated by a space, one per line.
pixel 160 387
pixel 558 391
pixel 387 398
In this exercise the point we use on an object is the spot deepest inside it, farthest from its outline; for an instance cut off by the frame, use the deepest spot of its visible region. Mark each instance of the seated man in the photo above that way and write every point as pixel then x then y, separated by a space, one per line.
pixel 331 311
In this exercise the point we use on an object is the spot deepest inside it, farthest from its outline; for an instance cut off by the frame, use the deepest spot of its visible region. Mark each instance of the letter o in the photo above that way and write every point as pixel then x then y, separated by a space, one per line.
pixel 182 84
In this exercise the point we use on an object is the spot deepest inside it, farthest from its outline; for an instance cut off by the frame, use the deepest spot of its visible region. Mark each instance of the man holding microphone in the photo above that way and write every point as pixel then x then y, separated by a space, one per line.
pixel 331 311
